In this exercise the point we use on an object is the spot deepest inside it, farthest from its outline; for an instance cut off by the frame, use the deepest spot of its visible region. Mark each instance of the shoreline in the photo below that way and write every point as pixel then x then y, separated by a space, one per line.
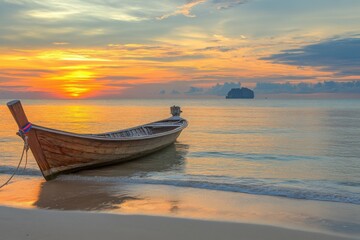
pixel 41 224
pixel 338 219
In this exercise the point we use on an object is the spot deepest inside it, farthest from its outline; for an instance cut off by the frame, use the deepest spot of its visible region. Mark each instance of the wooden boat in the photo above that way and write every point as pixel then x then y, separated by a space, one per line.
pixel 57 152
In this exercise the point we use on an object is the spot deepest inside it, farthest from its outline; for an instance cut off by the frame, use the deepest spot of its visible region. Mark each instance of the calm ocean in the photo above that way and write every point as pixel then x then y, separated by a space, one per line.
pixel 300 149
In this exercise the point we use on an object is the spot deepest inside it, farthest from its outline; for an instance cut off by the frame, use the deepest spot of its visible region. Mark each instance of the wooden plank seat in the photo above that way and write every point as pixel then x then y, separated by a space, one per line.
pixel 136 132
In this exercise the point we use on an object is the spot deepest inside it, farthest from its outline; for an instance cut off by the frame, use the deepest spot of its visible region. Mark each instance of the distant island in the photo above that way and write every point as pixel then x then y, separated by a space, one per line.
pixel 240 93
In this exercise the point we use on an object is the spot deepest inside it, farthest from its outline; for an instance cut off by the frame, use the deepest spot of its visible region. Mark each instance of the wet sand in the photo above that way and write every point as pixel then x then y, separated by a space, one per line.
pixel 78 193
pixel 50 224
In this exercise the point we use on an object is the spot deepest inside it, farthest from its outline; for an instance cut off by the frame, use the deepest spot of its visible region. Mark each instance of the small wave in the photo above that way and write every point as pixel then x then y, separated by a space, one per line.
pixel 26 172
pixel 250 156
pixel 246 131
pixel 8 139
pixel 351 184
pixel 271 187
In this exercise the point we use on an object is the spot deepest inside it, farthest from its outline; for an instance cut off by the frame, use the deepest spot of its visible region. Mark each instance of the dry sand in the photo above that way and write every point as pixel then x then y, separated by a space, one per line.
pixel 48 224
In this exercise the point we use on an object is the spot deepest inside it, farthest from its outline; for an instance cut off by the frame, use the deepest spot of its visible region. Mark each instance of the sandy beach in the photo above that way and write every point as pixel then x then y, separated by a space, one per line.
pixel 50 224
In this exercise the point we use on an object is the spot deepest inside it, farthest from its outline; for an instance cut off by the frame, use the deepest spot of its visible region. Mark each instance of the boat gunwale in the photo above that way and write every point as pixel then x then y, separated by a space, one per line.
pixel 133 138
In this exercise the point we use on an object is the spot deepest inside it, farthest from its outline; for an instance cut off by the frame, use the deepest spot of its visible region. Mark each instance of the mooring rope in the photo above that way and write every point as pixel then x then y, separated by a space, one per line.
pixel 22 134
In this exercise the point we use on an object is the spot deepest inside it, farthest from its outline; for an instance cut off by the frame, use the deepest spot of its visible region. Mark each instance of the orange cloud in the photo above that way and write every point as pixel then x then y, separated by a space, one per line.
pixel 99 72
pixel 184 9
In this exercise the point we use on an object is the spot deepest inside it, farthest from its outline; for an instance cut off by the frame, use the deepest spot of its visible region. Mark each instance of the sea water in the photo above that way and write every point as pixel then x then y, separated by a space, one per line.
pixel 291 149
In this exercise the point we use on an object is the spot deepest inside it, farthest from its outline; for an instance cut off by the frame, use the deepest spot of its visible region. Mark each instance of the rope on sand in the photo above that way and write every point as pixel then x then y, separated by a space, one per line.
pixel 22 134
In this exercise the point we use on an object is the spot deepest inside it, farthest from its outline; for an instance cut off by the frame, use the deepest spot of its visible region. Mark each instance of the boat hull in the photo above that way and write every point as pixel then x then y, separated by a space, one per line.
pixel 64 154
pixel 58 152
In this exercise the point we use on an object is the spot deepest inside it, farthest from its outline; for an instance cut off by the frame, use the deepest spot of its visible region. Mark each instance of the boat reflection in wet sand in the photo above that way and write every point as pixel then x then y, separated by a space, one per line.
pixel 107 187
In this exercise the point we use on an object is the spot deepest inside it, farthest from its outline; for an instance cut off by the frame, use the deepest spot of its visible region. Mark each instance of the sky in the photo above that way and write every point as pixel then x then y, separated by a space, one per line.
pixel 139 48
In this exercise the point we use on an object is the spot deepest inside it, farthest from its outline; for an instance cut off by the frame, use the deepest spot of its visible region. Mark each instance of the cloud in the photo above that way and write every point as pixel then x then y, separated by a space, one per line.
pixel 169 58
pixel 117 78
pixel 43 23
pixel 79 23
pixel 217 89
pixel 175 92
pixel 12 88
pixel 341 56
pixel 301 88
pixel 179 89
pixel 15 73
pixel 225 4
pixel 194 91
pixel 219 48
pixel 222 89
pixel 21 91
pixel 185 9
pixel 52 9
pixel 60 43
pixel 24 95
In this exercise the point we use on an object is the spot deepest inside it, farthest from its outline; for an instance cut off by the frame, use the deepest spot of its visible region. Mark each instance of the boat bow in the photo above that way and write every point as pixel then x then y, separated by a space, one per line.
pixel 58 152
